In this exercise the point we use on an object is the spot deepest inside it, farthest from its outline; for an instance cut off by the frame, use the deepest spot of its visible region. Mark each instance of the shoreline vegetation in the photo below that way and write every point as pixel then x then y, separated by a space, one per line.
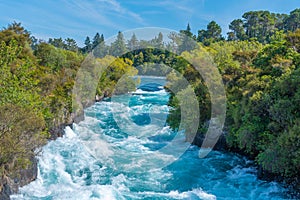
pixel 259 62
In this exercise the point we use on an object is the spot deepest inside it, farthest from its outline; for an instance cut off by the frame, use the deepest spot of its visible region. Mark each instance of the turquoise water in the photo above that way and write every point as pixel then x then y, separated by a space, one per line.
pixel 119 152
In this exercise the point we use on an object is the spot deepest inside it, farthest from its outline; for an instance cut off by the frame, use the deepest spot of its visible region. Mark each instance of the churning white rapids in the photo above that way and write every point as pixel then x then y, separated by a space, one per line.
pixel 115 153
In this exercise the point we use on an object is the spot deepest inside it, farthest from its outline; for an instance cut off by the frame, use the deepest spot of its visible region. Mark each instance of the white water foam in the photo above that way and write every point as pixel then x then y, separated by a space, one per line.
pixel 99 160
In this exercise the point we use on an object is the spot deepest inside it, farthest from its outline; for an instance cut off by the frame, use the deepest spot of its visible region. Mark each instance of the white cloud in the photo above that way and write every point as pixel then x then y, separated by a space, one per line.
pixel 116 6
pixel 103 13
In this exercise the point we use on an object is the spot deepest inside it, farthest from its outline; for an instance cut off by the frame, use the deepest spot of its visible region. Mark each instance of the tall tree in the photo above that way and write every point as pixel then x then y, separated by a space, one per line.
pixel 280 21
pixel 88 45
pixel 188 41
pixel 211 34
pixel 187 31
pixel 293 40
pixel 17 32
pixel 71 45
pixel 57 42
pixel 201 35
pixel 157 42
pixel 102 38
pixel 214 31
pixel 100 50
pixel 267 25
pixel 292 22
pixel 251 23
pixel 118 47
pixel 133 42
pixel 259 25
pixel 96 40
pixel 237 29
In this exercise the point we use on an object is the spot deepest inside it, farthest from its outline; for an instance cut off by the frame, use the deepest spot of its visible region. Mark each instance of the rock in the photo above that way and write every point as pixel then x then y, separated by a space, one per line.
pixel 221 144
pixel 99 98
pixel 22 177
pixel 79 117
pixel 5 192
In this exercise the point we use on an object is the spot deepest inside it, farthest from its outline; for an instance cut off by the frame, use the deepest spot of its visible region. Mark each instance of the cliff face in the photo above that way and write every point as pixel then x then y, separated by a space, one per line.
pixel 20 178
pixel 5 191
pixel 10 185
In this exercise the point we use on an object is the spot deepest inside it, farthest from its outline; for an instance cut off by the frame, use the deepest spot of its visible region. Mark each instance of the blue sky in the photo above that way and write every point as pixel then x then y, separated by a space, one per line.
pixel 80 18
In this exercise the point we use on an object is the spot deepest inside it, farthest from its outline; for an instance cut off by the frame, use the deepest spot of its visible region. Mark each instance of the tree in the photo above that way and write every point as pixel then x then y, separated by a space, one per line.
pixel 118 47
pixel 18 33
pixel 100 50
pixel 34 42
pixel 201 35
pixel 211 34
pixel 49 56
pixel 267 26
pixel 57 42
pixel 71 45
pixel 157 42
pixel 187 42
pixel 97 40
pixel 21 132
pixel 214 31
pixel 187 31
pixel 133 43
pixel 251 23
pixel 292 22
pixel 88 45
pixel 231 36
pixel 259 25
pixel 293 40
pixel 280 21
pixel 238 32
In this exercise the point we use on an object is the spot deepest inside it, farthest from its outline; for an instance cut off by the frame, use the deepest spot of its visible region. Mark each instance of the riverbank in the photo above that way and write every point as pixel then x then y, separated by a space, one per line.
pixel 292 184
pixel 30 174
pixel 10 185
pixel 102 157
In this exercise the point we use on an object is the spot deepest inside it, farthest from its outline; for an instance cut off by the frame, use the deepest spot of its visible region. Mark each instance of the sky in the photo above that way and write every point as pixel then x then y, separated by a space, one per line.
pixel 80 18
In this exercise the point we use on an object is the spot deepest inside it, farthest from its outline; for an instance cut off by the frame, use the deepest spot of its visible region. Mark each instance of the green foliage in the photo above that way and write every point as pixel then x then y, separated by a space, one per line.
pixel 263 107
pixel 261 25
pixel 293 40
pixel 67 44
pixel 262 88
pixel 259 67
pixel 118 47
pixel 35 95
pixel 212 34
pixel 187 41
pixel 292 21
pixel 283 155
pixel 238 32
pixel 115 79
pixel 21 133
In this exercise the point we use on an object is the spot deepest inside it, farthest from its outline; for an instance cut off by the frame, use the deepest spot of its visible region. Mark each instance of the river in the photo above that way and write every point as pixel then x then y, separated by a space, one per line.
pixel 115 153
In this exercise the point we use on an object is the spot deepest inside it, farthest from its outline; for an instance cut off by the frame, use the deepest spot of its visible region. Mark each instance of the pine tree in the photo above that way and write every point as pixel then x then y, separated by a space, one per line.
pixel 100 50
pixel 237 29
pixel 70 44
pixel 88 45
pixel 133 43
pixel 188 42
pixel 97 40
pixel 118 48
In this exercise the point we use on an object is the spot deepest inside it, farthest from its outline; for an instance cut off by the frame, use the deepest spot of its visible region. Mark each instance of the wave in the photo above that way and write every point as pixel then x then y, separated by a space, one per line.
pixel 174 194
pixel 111 156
